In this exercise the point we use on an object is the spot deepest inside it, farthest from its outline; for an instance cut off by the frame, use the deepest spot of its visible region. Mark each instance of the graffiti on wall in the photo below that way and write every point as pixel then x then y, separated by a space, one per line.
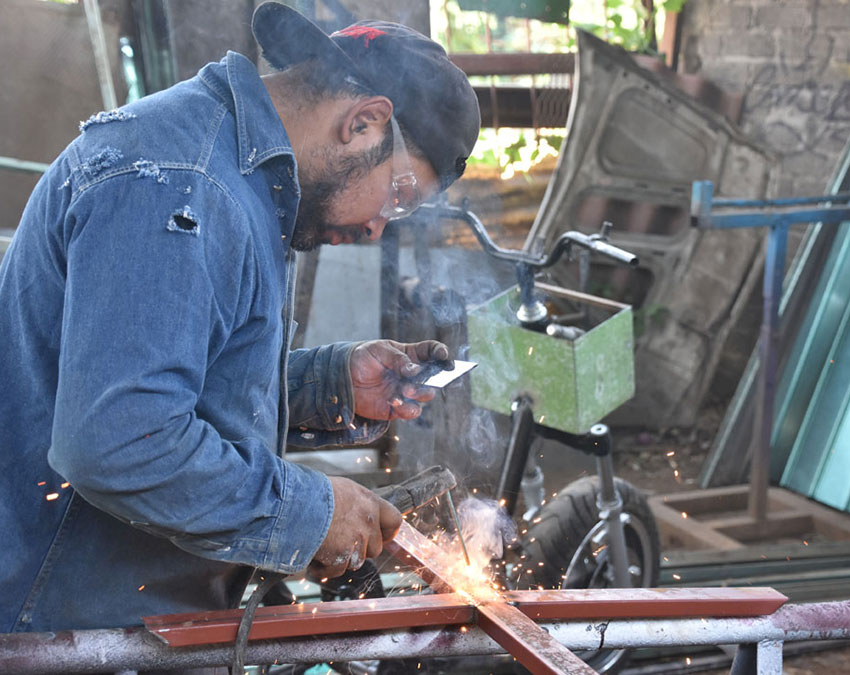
pixel 801 105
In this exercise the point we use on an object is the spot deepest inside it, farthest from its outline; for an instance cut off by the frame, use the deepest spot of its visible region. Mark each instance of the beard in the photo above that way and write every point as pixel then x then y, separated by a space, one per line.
pixel 311 222
pixel 319 188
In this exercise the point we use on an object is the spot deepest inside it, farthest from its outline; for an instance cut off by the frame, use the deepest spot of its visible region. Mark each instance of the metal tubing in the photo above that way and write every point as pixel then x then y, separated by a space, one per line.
pixel 825 214
pixel 774 272
pixel 23 165
pixel 101 58
pixel 791 201
pixel 610 506
pixel 769 657
pixel 93 651
pixel 519 447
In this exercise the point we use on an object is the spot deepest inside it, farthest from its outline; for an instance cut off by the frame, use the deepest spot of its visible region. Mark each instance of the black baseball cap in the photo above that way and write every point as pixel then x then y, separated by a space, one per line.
pixel 432 98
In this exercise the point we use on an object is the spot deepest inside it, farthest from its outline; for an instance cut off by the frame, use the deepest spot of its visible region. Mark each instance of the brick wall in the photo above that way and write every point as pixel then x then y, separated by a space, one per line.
pixel 791 58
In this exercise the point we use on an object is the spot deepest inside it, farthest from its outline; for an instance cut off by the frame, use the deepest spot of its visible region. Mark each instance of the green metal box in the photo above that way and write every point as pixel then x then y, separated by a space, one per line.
pixel 572 384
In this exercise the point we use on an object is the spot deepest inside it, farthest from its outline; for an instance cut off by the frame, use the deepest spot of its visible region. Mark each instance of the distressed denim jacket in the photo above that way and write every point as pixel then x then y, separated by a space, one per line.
pixel 145 314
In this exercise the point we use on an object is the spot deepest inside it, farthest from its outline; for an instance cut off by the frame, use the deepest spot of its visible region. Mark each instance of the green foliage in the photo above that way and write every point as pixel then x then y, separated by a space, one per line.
pixel 673 5
pixel 512 151
pixel 624 22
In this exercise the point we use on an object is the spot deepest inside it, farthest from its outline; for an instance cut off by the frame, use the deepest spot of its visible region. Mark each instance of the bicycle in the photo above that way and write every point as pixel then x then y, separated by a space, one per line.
pixel 596 532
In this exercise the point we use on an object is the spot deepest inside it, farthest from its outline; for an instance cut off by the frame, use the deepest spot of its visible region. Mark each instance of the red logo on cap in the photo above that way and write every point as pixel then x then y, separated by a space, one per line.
pixel 366 32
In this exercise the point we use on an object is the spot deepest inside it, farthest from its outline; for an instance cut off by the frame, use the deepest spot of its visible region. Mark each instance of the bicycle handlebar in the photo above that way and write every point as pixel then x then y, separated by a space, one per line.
pixel 563 244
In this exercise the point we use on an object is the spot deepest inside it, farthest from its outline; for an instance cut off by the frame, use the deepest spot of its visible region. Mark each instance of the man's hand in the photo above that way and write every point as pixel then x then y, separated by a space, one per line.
pixel 378 371
pixel 361 523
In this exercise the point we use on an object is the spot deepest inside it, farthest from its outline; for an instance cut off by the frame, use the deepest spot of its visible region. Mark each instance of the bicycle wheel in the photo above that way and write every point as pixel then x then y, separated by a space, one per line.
pixel 570 541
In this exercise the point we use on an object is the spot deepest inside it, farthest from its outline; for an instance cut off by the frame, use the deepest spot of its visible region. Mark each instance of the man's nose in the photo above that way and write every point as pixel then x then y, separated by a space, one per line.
pixel 375 228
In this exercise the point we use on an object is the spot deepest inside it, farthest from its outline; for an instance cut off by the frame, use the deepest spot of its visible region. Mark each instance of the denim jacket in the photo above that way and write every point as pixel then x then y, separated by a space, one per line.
pixel 145 317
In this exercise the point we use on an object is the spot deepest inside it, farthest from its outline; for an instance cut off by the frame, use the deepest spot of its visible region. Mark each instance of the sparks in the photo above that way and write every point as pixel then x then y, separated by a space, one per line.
pixel 684 514
pixel 142 587
pixel 677 577
pixel 52 496
pixel 530 351
pixel 64 485
pixel 41 482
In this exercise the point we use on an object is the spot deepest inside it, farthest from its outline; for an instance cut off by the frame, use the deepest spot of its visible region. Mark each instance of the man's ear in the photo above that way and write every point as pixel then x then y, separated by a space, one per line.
pixel 367 115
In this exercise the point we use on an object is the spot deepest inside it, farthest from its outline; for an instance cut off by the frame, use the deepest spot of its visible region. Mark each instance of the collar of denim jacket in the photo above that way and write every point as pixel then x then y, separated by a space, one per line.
pixel 260 132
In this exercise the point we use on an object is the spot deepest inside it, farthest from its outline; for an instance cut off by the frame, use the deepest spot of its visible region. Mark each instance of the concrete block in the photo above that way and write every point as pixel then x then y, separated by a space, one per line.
pixel 711 45
pixel 834 16
pixel 759 44
pixel 782 15
pixel 738 17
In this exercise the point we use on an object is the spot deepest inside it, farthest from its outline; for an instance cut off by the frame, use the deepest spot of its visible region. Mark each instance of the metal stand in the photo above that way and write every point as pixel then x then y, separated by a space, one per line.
pixel 777 215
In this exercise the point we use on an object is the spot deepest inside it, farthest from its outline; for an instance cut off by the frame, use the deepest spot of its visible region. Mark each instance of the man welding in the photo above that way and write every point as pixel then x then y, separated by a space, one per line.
pixel 147 389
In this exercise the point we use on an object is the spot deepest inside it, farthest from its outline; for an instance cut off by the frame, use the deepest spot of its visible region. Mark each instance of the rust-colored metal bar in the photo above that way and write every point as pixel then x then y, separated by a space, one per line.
pixel 646 603
pixel 507 617
pixel 317 618
pixel 532 646
pixel 348 616
pixel 429 561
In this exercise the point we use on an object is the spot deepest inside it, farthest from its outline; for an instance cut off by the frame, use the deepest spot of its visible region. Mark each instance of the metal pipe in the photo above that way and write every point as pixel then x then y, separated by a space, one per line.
pixel 516 454
pixel 101 57
pixel 111 650
pixel 23 165
pixel 774 273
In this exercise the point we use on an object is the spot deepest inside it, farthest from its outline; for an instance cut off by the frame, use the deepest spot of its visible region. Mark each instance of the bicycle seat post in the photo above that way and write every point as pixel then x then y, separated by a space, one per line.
pixel 610 504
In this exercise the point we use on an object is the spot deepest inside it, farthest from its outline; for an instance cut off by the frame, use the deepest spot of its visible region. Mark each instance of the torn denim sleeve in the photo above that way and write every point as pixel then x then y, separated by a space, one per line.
pixel 321 399
pixel 147 309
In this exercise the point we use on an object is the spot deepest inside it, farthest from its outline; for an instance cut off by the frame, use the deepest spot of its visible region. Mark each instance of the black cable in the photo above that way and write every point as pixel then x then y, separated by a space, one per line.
pixel 241 645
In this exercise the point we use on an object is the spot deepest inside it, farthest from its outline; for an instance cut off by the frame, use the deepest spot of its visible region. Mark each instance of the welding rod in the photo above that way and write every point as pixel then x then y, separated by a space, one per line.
pixel 457 526
pixel 420 489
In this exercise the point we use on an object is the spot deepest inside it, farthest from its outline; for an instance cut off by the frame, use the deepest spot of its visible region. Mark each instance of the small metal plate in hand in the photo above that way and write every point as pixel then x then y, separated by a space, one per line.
pixel 444 377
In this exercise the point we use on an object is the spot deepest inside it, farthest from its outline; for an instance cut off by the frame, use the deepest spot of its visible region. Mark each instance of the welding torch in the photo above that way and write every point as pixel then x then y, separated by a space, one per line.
pixel 407 496
pixel 420 490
